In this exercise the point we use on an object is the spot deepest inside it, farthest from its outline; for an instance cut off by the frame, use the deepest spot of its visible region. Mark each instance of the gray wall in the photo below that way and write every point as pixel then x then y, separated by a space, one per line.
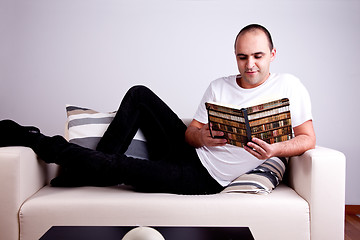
pixel 89 52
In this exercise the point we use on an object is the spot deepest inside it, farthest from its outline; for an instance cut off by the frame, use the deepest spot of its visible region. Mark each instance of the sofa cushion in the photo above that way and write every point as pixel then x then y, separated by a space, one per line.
pixel 283 214
pixel 262 179
pixel 85 127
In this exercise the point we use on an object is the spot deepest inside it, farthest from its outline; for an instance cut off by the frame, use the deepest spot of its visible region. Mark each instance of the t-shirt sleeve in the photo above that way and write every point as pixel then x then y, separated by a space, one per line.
pixel 300 105
pixel 201 112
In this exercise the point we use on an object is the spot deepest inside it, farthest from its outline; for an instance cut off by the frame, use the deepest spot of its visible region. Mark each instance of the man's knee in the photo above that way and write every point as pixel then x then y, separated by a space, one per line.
pixel 139 89
pixel 140 93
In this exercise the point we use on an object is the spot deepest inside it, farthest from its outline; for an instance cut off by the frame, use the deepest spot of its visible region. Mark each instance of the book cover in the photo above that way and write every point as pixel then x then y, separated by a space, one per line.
pixel 269 121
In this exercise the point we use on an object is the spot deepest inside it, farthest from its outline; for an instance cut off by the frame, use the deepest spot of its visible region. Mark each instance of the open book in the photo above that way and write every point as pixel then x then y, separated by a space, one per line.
pixel 270 122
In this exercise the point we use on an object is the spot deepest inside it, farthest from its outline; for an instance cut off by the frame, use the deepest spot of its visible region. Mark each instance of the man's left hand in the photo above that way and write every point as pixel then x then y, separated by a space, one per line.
pixel 304 140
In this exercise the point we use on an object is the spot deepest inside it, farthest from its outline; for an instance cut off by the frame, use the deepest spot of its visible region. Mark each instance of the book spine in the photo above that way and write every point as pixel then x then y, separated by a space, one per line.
pixel 228 123
pixel 247 125
pixel 278 117
pixel 269 113
pixel 277 135
pixel 226 116
pixel 270 126
pixel 227 128
pixel 269 105
pixel 209 122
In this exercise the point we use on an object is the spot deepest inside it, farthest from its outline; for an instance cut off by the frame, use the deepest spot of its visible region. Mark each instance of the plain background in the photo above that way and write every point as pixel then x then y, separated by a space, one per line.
pixel 89 52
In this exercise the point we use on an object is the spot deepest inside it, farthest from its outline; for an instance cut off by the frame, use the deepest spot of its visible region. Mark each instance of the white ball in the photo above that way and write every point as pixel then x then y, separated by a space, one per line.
pixel 143 233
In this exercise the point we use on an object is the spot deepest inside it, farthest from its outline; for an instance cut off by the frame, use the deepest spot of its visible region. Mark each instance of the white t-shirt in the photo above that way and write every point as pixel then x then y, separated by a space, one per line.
pixel 228 162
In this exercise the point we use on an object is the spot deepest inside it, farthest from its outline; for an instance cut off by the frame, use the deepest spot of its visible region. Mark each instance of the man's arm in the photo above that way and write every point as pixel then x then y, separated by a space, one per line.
pixel 304 140
pixel 198 135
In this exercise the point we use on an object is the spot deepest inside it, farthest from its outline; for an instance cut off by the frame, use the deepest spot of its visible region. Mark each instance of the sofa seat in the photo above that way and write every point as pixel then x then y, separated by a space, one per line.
pixel 283 214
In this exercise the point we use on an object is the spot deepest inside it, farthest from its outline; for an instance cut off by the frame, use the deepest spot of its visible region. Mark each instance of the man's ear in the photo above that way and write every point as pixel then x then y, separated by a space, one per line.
pixel 272 54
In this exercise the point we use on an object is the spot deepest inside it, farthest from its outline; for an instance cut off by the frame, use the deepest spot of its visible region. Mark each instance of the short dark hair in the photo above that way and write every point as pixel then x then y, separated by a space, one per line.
pixel 253 27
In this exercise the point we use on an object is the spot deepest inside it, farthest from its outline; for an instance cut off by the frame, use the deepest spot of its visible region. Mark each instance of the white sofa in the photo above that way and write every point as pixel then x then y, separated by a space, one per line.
pixel 311 207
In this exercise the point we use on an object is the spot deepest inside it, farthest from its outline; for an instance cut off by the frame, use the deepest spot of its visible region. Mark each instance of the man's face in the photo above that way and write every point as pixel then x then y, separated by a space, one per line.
pixel 253 57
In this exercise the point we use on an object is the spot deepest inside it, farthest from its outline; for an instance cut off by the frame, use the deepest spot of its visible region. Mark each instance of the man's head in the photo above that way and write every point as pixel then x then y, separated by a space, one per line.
pixel 254 27
pixel 254 51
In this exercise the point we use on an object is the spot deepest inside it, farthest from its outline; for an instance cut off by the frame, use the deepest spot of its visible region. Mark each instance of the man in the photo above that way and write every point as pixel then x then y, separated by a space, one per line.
pixel 254 52
pixel 179 159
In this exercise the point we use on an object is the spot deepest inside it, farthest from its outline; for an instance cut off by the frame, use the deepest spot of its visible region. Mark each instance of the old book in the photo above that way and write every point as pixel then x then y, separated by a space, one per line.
pixel 269 121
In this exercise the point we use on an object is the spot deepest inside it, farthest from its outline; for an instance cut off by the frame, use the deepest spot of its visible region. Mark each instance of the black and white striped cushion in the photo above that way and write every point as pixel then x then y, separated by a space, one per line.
pixel 85 127
pixel 263 179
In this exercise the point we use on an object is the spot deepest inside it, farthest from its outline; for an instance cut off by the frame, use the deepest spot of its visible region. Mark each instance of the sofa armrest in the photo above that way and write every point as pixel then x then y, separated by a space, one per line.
pixel 21 175
pixel 318 176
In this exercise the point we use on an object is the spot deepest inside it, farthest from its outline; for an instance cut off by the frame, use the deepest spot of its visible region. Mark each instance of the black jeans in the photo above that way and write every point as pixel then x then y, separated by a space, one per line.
pixel 173 165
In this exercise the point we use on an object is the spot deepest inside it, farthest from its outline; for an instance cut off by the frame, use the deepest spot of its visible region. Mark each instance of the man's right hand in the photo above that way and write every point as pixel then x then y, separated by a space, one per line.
pixel 198 135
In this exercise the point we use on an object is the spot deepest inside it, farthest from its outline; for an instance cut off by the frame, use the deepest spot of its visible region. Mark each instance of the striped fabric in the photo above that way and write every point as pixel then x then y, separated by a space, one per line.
pixel 85 127
pixel 262 179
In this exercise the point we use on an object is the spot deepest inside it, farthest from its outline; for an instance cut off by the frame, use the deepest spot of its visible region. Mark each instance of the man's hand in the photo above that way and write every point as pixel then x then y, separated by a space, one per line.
pixel 198 135
pixel 209 141
pixel 260 149
pixel 304 140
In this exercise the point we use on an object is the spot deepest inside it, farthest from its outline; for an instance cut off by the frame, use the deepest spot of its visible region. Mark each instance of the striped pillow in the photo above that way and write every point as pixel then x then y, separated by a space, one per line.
pixel 263 179
pixel 85 127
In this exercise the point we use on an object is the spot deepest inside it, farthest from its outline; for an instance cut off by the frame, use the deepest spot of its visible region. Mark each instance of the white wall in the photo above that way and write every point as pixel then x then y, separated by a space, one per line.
pixel 89 52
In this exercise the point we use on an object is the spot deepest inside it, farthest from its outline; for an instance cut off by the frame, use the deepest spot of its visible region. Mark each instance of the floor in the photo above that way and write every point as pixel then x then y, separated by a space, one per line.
pixel 352 222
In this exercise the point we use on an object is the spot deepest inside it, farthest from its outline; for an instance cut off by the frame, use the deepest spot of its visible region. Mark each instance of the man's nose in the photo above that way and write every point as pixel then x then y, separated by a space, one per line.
pixel 250 63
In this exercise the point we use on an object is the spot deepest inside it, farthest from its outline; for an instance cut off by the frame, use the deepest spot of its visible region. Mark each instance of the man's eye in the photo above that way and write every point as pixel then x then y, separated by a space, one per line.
pixel 242 58
pixel 258 56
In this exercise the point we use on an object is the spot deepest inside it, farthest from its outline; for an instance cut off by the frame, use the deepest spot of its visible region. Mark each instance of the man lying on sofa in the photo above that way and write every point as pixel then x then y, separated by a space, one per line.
pixel 183 160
